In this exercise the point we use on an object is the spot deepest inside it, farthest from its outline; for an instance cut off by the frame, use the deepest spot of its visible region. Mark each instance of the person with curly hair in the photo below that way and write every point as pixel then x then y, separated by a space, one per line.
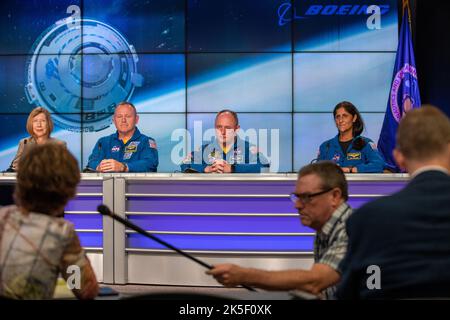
pixel 36 243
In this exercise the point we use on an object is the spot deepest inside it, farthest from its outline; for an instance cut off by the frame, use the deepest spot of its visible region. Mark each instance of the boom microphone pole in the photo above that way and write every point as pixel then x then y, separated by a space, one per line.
pixel 104 210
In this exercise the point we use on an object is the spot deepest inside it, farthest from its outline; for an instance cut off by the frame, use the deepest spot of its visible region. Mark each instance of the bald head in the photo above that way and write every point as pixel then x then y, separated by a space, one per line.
pixel 227 125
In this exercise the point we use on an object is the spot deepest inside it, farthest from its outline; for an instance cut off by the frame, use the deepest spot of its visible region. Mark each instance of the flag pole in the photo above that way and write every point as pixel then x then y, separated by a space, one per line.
pixel 407 6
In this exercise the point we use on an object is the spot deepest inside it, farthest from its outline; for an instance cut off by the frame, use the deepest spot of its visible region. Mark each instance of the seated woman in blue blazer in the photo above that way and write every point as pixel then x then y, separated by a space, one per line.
pixel 351 151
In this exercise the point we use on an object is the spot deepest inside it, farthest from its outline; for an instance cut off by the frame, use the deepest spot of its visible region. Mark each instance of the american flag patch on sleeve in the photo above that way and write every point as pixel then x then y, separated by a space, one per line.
pixel 152 143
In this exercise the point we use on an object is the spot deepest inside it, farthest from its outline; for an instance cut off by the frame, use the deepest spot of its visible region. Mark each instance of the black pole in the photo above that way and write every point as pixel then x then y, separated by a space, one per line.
pixel 104 210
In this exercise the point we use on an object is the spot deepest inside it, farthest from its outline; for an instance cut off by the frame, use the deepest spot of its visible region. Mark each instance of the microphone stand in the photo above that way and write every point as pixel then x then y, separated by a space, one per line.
pixel 10 168
pixel 104 210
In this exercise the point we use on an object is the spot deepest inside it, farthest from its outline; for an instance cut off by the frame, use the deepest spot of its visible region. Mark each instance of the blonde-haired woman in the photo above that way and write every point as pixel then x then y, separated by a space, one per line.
pixel 39 127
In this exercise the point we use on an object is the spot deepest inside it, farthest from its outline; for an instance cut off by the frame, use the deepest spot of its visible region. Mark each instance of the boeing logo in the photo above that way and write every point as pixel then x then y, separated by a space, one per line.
pixel 287 13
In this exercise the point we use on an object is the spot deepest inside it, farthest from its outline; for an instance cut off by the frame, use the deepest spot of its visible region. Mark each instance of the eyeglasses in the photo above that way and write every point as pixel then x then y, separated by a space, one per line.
pixel 306 197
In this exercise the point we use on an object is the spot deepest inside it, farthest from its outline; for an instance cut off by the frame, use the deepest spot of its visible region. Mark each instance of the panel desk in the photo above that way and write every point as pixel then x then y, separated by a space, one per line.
pixel 246 219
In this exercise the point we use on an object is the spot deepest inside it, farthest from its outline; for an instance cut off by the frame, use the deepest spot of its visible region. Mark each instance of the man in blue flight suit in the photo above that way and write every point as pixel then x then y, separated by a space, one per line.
pixel 359 155
pixel 227 153
pixel 127 150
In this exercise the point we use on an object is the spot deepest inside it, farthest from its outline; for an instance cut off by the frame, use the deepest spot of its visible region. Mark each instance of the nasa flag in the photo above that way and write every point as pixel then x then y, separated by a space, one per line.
pixel 404 94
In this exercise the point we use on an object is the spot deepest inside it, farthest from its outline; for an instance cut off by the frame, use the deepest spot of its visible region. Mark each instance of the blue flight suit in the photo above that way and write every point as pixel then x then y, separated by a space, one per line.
pixel 139 153
pixel 366 160
pixel 243 157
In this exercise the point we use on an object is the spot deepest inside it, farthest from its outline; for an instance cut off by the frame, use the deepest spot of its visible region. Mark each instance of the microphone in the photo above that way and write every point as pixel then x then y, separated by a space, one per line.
pixel 326 152
pixel 104 210
pixel 10 168
pixel 190 170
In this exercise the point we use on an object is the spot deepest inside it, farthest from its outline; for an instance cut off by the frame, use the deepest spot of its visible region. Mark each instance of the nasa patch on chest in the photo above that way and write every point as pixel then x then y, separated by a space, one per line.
pixel 336 157
pixel 115 149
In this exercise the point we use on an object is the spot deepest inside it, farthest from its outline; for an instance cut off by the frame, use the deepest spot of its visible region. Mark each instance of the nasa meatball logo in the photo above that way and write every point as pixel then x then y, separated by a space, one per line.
pixel 400 104
pixel 336 157
pixel 79 69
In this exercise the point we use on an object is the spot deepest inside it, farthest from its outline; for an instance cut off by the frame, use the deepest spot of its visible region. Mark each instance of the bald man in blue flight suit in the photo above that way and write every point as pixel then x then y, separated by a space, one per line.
pixel 127 150
pixel 360 156
pixel 227 153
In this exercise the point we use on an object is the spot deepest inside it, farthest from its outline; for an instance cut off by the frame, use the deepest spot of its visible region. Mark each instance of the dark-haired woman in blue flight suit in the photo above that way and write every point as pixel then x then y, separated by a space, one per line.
pixel 351 151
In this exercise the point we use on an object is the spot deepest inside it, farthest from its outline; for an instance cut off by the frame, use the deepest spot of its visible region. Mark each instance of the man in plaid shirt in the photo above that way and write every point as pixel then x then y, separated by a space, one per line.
pixel 320 198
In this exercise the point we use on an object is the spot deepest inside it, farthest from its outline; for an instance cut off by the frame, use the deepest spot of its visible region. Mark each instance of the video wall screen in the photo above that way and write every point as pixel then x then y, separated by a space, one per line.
pixel 282 65
pixel 239 82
